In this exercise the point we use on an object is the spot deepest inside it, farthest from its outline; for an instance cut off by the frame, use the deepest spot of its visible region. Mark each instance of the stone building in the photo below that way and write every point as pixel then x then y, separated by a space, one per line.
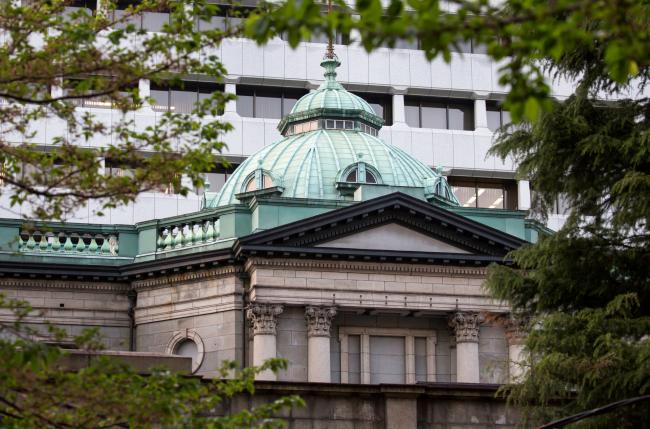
pixel 331 248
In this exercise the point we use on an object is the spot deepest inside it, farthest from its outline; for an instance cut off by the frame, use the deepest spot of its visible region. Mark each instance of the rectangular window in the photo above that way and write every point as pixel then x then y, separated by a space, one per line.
pixel 385 355
pixel 496 116
pixel 439 114
pixel 420 359
pixel 181 97
pixel 266 102
pixel 354 359
pixel 387 360
pixel 485 193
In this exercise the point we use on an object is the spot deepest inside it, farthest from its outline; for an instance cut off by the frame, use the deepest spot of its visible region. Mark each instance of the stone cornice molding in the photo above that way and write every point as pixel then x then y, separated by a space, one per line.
pixel 23 283
pixel 176 278
pixel 466 326
pixel 319 320
pixel 301 264
pixel 264 317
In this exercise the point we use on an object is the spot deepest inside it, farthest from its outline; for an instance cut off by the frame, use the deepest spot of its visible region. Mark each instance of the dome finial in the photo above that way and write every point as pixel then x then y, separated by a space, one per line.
pixel 330 61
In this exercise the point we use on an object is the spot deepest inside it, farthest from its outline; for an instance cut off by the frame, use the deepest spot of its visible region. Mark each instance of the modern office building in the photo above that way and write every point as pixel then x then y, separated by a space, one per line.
pixel 350 235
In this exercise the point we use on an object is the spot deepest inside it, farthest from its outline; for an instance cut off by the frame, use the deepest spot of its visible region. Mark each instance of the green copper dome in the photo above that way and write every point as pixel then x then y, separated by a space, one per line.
pixel 331 100
pixel 330 148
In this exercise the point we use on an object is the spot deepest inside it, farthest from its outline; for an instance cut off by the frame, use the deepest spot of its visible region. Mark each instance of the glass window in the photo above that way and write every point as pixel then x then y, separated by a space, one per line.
pixel 352 176
pixel 439 114
pixel 354 359
pixel 497 116
pixel 266 102
pixel 181 97
pixel 370 178
pixel 433 115
pixel 420 359
pixel 461 117
pixel 387 360
pixel 412 112
pixel 485 193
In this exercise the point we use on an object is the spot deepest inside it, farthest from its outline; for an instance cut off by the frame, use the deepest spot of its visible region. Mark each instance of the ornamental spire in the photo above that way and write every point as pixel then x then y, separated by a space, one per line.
pixel 330 44
pixel 330 61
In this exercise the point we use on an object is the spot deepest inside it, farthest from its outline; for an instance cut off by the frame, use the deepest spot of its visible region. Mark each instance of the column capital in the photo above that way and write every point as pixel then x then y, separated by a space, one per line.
pixel 466 326
pixel 516 329
pixel 319 320
pixel 264 317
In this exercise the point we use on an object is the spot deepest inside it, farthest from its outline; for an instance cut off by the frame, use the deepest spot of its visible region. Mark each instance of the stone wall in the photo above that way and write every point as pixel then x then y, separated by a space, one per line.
pixel 204 306
pixel 439 406
pixel 74 306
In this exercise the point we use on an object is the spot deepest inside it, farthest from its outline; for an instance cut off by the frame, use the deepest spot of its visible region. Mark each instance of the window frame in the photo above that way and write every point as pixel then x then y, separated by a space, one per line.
pixel 253 89
pixel 448 103
pixel 508 187
pixel 409 336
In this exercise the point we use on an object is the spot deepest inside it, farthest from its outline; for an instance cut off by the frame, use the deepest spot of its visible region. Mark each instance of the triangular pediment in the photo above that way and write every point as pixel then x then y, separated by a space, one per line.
pixel 392 227
pixel 392 237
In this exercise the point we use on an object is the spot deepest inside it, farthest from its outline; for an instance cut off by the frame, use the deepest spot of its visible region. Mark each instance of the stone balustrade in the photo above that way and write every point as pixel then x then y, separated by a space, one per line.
pixel 188 233
pixel 68 242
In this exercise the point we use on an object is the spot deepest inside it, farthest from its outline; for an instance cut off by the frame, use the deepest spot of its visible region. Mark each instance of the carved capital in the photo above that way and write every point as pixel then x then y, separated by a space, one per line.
pixel 465 326
pixel 319 320
pixel 263 317
pixel 516 329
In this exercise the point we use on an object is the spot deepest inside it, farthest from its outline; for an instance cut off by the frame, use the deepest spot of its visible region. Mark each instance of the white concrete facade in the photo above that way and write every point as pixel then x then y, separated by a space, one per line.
pixel 397 72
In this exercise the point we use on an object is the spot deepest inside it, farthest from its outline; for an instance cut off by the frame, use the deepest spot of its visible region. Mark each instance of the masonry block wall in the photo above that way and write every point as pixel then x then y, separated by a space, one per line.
pixel 74 306
pixel 203 306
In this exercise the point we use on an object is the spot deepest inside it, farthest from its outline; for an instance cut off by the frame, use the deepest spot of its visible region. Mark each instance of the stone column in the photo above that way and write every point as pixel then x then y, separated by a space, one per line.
pixel 466 327
pixel 399 111
pixel 264 319
pixel 480 115
pixel 231 106
pixel 523 195
pixel 516 336
pixel 319 322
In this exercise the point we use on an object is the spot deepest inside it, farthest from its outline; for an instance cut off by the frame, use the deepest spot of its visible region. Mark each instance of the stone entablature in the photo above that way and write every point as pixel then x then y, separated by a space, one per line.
pixel 188 294
pixel 411 287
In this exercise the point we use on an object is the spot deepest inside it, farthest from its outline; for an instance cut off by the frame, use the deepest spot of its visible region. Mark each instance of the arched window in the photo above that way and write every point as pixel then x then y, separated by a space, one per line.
pixel 260 179
pixel 361 172
pixel 187 343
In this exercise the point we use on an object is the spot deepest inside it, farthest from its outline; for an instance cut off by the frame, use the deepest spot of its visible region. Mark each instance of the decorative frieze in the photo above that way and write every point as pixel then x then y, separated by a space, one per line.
pixel 264 317
pixel 466 326
pixel 358 266
pixel 175 278
pixel 319 320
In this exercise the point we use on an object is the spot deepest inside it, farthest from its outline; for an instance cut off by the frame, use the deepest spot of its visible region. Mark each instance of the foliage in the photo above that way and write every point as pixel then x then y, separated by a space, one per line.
pixel 36 389
pixel 52 59
pixel 586 288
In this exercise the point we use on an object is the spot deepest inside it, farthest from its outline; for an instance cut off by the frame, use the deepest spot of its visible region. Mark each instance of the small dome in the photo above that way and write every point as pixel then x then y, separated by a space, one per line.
pixel 330 146
pixel 333 101
pixel 313 164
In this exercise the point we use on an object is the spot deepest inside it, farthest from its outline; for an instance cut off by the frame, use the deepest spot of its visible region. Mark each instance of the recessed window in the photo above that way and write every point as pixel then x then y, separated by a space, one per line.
pixel 149 21
pixel 485 193
pixel 439 114
pixel 361 173
pixel 187 343
pixel 224 17
pixel 183 96
pixel 394 355
pixel 382 104
pixel 259 180
pixel 497 116
pixel 266 102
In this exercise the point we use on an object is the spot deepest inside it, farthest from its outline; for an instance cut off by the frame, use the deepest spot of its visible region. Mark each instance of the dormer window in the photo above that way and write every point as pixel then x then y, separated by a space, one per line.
pixel 260 179
pixel 361 172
